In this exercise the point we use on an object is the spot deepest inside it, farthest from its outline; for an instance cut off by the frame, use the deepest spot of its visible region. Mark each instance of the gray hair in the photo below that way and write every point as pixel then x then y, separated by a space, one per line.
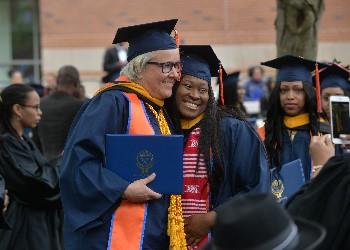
pixel 133 69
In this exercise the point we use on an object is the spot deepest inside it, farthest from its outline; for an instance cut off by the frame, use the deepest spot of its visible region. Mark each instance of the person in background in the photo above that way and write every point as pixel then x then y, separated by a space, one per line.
pixel 34 213
pixel 334 80
pixel 15 76
pixel 223 156
pixel 325 199
pixel 101 208
pixel 234 93
pixel 82 93
pixel 59 110
pixel 114 60
pixel 255 88
pixel 50 84
pixel 292 116
pixel 270 85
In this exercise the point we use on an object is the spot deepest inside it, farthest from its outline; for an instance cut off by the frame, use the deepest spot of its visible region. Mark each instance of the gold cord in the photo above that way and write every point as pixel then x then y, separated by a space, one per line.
pixel 176 226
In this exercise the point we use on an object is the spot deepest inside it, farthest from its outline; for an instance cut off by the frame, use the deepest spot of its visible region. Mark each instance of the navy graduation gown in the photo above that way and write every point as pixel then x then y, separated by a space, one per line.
pixel 245 161
pixel 91 192
pixel 297 148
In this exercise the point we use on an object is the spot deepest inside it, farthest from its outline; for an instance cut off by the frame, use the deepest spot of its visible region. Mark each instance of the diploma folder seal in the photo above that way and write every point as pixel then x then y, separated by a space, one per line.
pixel 134 157
pixel 288 181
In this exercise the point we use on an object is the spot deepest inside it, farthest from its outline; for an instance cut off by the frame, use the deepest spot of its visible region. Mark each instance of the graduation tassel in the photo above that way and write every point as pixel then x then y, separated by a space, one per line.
pixel 318 95
pixel 318 89
pixel 177 38
pixel 177 41
pixel 221 86
pixel 176 227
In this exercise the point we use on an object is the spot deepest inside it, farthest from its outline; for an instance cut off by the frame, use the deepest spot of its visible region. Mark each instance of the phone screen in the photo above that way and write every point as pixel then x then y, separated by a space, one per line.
pixel 340 118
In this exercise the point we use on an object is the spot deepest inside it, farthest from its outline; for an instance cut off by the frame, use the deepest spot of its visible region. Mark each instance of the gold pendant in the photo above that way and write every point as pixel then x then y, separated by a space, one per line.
pixel 277 188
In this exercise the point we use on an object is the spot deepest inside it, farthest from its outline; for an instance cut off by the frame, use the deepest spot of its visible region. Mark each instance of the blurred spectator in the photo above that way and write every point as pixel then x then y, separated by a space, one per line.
pixel 82 93
pixel 15 76
pixel 34 213
pixel 59 109
pixel 38 88
pixel 255 88
pixel 234 93
pixel 50 84
pixel 256 221
pixel 114 60
pixel 270 85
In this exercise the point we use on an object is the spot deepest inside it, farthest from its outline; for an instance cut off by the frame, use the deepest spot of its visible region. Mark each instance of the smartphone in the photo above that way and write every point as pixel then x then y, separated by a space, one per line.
pixel 340 118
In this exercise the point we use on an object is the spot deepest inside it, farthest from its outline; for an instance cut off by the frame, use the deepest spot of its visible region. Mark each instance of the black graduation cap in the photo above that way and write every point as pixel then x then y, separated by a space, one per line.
pixel 293 68
pixel 232 78
pixel 147 37
pixel 200 61
pixel 335 75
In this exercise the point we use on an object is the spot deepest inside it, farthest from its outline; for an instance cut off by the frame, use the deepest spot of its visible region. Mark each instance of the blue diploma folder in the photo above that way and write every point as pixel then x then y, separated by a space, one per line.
pixel 292 177
pixel 134 157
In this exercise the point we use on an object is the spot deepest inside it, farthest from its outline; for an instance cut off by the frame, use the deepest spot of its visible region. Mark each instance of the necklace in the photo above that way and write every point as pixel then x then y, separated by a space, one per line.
pixel 291 134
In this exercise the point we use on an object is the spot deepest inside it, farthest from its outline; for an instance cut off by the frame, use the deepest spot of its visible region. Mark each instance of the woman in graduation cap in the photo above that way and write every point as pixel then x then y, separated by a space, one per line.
pixel 223 155
pixel 292 115
pixel 334 80
pixel 103 210
pixel 34 213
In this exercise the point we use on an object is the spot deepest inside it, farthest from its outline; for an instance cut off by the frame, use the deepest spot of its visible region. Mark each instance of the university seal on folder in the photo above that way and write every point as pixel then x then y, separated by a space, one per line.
pixel 134 157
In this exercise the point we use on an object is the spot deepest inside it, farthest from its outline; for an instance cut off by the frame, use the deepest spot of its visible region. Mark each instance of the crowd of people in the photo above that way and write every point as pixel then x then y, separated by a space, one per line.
pixel 56 192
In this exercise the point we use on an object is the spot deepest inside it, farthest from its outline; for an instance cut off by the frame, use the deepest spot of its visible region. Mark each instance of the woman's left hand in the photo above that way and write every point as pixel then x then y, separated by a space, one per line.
pixel 197 226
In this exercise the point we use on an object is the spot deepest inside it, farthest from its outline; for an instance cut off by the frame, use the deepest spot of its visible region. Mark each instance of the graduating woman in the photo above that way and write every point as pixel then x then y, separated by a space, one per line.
pixel 334 81
pixel 34 213
pixel 223 155
pixel 292 115
pixel 102 209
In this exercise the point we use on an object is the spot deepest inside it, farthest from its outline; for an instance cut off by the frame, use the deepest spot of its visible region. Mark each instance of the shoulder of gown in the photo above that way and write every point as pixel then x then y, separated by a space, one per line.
pixel 88 189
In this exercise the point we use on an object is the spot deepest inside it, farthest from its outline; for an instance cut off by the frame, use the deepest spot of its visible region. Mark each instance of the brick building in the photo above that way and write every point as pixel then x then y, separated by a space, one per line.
pixel 242 32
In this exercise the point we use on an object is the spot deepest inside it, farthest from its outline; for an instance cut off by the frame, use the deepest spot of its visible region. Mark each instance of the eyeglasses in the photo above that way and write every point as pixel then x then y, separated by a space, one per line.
pixel 36 107
pixel 168 66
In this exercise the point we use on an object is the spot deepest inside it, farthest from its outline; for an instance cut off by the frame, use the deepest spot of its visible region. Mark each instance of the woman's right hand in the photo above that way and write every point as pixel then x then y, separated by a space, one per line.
pixel 321 149
pixel 138 191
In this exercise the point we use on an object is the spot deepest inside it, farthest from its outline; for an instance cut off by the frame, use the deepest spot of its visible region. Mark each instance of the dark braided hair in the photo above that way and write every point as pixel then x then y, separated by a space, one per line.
pixel 274 121
pixel 11 95
pixel 210 135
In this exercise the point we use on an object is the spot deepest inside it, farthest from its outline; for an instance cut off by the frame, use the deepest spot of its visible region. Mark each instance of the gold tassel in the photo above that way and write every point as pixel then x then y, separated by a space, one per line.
pixel 176 226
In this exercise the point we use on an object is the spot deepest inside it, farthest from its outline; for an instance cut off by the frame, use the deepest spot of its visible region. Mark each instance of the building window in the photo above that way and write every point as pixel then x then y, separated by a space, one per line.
pixel 20 40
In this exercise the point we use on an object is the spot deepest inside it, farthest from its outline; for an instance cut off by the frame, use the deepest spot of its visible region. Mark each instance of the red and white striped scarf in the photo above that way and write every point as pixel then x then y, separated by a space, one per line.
pixel 195 199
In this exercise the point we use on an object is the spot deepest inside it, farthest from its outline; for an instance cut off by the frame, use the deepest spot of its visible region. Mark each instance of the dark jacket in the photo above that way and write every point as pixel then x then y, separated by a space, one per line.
pixel 326 200
pixel 59 110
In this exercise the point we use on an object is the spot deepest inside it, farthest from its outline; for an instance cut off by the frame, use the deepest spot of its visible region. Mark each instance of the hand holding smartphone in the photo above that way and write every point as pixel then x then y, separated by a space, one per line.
pixel 339 118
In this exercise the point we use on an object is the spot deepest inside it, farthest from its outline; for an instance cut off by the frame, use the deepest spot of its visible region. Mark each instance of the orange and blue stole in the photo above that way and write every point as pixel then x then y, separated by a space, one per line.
pixel 129 220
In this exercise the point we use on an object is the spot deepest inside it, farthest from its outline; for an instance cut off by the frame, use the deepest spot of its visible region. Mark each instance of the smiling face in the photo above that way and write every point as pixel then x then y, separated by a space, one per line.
pixel 292 97
pixel 158 84
pixel 192 96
